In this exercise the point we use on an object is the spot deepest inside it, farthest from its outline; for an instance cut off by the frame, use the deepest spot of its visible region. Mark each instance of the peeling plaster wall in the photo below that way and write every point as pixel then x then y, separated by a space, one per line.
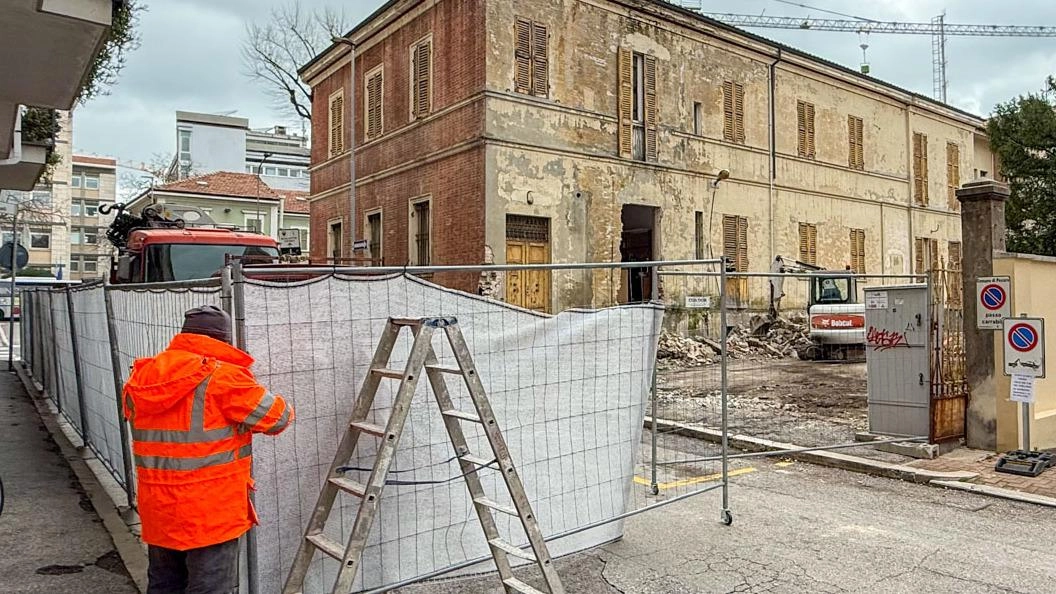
pixel 566 143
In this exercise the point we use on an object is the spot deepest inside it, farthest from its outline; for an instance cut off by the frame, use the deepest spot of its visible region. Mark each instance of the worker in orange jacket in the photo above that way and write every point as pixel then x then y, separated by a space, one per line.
pixel 193 409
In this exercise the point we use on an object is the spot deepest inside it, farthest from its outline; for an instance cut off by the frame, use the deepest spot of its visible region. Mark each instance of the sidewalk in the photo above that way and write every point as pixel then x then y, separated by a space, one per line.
pixel 982 463
pixel 51 537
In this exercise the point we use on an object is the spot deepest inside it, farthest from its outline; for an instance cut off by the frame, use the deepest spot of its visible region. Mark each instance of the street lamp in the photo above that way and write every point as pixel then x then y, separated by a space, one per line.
pixel 352 138
pixel 260 182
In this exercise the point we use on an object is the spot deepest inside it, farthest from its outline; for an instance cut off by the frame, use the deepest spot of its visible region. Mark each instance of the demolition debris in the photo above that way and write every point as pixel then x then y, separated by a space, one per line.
pixel 771 339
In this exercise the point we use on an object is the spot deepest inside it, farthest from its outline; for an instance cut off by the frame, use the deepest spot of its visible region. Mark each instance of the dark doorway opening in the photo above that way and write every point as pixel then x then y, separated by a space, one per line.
pixel 638 244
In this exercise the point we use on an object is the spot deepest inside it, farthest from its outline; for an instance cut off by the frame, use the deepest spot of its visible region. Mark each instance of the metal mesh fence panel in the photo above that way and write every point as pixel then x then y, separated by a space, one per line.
pixel 25 323
pixel 569 392
pixel 66 375
pixel 146 318
pixel 97 379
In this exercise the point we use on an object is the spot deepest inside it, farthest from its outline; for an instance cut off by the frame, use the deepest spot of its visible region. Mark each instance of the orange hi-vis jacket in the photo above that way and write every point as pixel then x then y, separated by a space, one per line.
pixel 193 410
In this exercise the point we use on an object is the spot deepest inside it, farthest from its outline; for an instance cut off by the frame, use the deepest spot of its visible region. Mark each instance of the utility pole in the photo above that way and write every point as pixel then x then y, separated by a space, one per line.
pixel 260 182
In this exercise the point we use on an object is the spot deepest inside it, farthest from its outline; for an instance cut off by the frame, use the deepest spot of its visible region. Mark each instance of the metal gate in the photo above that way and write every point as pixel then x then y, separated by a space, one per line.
pixel 949 384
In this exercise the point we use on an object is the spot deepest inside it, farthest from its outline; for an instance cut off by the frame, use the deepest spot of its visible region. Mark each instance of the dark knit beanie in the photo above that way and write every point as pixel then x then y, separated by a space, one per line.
pixel 208 320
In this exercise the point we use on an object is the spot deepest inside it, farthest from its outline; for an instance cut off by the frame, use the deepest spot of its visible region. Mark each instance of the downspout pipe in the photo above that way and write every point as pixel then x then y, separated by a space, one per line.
pixel 16 142
pixel 773 145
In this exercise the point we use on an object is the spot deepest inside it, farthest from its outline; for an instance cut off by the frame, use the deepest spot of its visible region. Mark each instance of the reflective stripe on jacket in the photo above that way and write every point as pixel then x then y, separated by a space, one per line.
pixel 193 410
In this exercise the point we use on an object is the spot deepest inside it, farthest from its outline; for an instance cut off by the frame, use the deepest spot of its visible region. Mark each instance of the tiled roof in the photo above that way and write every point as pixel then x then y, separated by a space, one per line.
pixel 224 183
pixel 295 202
pixel 95 160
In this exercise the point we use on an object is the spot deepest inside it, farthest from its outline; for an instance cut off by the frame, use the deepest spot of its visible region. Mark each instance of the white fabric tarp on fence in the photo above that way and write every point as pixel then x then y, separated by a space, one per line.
pixel 568 391
pixel 97 379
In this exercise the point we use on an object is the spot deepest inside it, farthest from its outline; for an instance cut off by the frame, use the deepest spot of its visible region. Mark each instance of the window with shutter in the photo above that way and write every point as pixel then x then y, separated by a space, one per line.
pixel 856 143
pixel 531 74
pixel 953 174
pixel 422 78
pixel 373 103
pixel 336 136
pixel 698 235
pixel 955 255
pixel 805 119
pixel 920 168
pixel 733 112
pixel 625 102
pixel 926 255
pixel 918 255
pixel 858 250
pixel 522 76
pixel 650 109
pixel 808 243
pixel 735 248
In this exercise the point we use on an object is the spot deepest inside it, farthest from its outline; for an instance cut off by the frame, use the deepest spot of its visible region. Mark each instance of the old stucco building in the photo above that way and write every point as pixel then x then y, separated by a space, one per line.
pixel 594 130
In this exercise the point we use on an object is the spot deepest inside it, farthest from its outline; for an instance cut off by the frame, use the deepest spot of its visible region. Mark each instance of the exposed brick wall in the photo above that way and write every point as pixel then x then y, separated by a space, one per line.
pixel 456 186
pixel 393 170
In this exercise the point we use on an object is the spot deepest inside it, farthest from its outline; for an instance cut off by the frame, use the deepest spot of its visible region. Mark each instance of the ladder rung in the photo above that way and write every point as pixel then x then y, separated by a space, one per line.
pixel 495 506
pixel 520 586
pixel 349 486
pixel 442 369
pixel 511 550
pixel 465 416
pixel 406 321
pixel 476 460
pixel 390 373
pixel 370 428
pixel 324 544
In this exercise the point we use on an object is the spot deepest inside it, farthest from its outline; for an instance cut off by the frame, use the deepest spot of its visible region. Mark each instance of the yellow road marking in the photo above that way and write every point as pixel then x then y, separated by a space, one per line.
pixel 692 481
pixel 784 464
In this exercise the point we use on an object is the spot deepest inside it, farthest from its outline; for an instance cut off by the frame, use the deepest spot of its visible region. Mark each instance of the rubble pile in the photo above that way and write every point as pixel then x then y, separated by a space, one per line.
pixel 771 339
pixel 682 351
pixel 762 339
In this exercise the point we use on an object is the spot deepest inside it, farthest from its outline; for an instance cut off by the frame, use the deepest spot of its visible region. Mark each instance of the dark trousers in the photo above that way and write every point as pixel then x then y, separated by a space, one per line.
pixel 208 570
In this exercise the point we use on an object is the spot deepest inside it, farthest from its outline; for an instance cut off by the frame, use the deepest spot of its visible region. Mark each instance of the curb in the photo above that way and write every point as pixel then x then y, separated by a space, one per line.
pixel 821 458
pixel 999 492
pixel 132 552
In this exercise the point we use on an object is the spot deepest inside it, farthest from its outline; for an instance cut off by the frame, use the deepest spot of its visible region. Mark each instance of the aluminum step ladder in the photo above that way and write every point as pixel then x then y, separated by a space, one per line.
pixel 422 356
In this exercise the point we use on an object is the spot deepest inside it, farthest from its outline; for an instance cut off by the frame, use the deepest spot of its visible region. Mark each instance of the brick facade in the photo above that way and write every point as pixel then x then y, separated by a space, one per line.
pixel 440 156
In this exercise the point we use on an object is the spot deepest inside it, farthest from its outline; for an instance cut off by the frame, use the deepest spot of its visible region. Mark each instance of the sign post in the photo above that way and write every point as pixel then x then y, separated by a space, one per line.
pixel 992 301
pixel 1024 347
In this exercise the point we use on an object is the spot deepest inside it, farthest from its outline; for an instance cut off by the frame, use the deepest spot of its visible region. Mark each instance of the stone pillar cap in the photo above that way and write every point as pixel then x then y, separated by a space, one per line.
pixel 983 189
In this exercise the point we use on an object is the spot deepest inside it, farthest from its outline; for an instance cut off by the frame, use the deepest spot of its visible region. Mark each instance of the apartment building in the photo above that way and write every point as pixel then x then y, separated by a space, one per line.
pixel 93 183
pixel 629 130
pixel 207 143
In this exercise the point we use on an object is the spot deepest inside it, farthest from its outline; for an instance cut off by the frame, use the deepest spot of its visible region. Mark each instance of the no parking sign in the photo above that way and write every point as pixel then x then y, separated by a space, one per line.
pixel 992 301
pixel 1025 346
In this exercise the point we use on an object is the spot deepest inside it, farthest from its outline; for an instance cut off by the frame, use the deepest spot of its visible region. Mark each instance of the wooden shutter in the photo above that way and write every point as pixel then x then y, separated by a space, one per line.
pixel 808 243
pixel 540 60
pixel 650 109
pixel 729 132
pixel 337 123
pixel 742 244
pixel 955 255
pixel 374 100
pixel 625 102
pixel 738 109
pixel 523 56
pixel 421 86
pixel 855 143
pixel 953 174
pixel 801 129
pixel 805 121
pixel 920 168
pixel 858 250
pixel 933 251
pixel 729 238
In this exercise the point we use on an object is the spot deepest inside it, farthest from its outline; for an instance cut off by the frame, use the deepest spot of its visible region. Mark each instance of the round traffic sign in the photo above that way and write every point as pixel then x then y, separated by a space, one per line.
pixel 1023 337
pixel 993 297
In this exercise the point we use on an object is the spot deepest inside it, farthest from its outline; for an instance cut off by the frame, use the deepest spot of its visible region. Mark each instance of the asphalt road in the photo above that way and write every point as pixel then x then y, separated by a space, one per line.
pixel 801 528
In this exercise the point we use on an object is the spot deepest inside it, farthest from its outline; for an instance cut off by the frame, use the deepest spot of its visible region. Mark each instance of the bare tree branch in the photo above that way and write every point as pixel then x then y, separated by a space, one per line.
pixel 273 51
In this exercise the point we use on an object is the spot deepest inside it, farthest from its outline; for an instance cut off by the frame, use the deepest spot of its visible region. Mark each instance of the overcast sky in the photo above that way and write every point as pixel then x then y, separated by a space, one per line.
pixel 190 60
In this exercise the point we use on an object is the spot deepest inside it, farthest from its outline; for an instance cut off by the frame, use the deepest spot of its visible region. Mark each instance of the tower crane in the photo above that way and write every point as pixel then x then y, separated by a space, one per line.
pixel 938 28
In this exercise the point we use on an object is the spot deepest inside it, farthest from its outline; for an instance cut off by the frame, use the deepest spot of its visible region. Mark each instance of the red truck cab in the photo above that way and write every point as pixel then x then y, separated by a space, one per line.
pixel 179 254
